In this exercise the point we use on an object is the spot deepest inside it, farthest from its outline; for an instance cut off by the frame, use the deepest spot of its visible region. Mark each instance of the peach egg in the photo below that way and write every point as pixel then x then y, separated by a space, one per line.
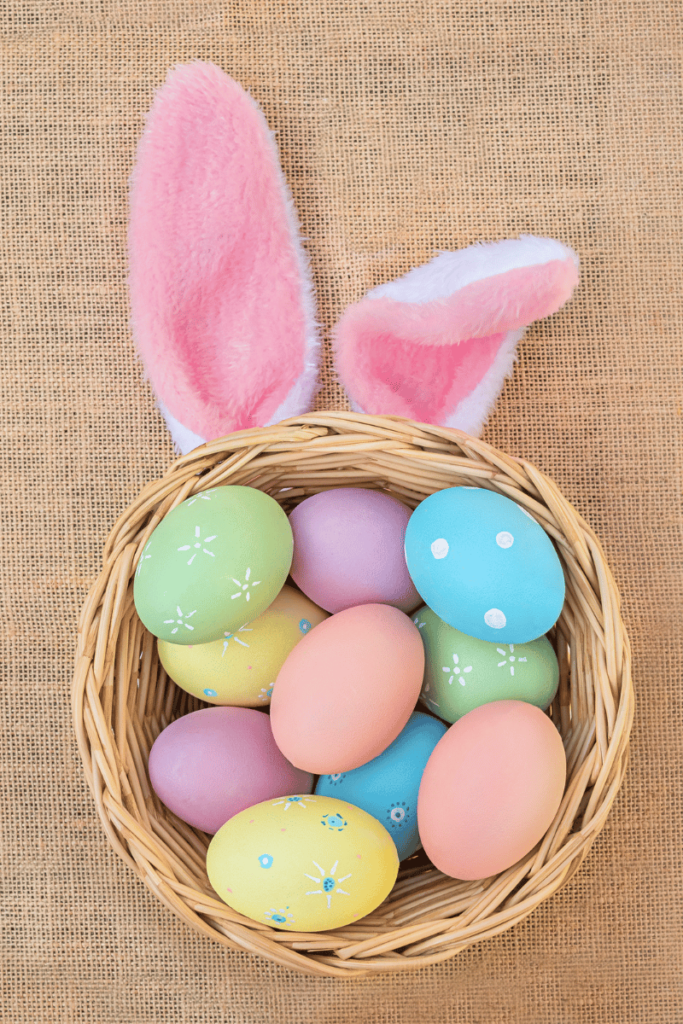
pixel 490 789
pixel 347 689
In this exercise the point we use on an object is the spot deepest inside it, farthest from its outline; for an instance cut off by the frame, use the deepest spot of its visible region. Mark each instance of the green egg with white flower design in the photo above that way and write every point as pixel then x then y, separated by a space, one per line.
pixel 214 563
pixel 463 672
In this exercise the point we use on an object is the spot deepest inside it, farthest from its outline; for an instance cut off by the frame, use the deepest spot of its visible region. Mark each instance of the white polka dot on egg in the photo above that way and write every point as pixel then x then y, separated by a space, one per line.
pixel 504 539
pixel 440 547
pixel 495 618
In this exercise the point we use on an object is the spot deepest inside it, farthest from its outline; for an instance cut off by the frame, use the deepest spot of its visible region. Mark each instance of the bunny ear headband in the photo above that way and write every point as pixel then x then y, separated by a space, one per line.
pixel 222 301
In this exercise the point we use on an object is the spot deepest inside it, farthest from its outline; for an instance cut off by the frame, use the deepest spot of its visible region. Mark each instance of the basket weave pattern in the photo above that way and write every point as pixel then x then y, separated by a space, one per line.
pixel 122 697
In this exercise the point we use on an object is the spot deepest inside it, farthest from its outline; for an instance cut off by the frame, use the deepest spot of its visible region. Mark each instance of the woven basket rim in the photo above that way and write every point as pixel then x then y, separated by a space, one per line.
pixel 427 918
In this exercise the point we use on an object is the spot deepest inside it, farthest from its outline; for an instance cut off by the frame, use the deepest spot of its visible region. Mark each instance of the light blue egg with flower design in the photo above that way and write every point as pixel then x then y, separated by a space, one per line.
pixel 387 786
pixel 484 565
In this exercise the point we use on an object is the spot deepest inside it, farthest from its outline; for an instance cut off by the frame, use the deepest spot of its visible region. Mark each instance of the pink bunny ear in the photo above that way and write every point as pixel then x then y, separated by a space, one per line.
pixel 221 297
pixel 437 344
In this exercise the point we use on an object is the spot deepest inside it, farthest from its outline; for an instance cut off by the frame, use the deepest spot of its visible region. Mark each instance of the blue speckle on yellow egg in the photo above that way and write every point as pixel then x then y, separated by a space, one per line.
pixel 484 565
pixel 280 917
pixel 334 821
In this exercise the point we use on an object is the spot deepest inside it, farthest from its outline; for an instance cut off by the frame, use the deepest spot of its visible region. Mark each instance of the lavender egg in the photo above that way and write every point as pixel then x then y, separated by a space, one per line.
pixel 348 550
pixel 209 765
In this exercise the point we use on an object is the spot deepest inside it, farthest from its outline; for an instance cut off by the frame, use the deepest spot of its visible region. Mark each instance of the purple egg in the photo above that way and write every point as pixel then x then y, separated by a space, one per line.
pixel 213 763
pixel 348 550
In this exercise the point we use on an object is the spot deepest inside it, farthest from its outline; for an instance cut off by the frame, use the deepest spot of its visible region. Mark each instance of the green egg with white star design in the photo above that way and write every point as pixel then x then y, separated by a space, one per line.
pixel 463 672
pixel 213 564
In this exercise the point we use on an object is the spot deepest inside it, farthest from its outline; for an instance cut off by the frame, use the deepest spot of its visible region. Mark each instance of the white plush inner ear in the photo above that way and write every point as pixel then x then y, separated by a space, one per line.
pixel 450 271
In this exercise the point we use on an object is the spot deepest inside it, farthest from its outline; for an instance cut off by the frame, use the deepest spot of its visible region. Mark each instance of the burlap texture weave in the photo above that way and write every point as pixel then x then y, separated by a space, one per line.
pixel 405 127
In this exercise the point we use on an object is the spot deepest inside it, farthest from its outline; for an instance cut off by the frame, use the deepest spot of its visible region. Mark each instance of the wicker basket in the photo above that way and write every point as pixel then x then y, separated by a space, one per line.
pixel 122 697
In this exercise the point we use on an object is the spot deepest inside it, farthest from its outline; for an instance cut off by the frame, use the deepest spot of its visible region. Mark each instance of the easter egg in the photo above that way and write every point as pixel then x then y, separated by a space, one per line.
pixel 213 564
pixel 302 863
pixel 462 672
pixel 348 549
pixel 240 668
pixel 387 786
pixel 484 565
pixel 210 764
pixel 347 689
pixel 491 789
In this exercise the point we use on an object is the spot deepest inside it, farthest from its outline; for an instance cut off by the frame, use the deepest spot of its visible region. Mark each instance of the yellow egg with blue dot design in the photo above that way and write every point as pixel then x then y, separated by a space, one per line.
pixel 303 863
pixel 240 669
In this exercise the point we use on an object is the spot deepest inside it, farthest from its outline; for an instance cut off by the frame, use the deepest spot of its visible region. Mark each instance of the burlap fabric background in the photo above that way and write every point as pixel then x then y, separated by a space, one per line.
pixel 405 127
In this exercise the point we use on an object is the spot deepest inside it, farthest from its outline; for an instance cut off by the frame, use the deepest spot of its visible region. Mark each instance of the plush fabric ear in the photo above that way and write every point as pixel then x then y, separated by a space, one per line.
pixel 437 344
pixel 221 297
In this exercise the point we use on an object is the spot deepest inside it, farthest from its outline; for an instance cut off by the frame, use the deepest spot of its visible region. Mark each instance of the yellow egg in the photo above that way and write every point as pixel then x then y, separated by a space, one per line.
pixel 240 668
pixel 303 863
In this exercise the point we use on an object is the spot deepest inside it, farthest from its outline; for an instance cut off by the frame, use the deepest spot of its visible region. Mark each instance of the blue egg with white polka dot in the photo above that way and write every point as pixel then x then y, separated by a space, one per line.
pixel 483 564
pixel 387 786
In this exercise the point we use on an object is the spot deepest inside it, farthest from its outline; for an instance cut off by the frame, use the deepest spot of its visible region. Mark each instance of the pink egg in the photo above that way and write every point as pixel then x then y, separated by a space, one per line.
pixel 490 790
pixel 213 763
pixel 347 689
pixel 348 550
